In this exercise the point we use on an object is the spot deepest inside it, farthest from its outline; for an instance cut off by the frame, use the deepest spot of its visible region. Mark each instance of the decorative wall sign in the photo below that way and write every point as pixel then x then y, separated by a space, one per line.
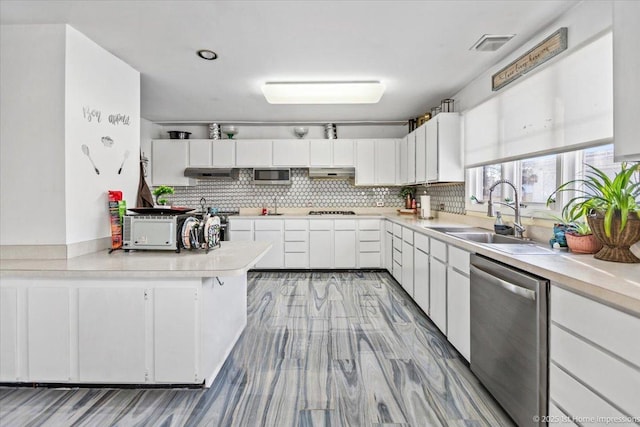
pixel 91 114
pixel 538 55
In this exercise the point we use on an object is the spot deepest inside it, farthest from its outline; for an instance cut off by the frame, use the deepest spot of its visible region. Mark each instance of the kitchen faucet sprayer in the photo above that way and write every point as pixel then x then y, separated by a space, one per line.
pixel 517 222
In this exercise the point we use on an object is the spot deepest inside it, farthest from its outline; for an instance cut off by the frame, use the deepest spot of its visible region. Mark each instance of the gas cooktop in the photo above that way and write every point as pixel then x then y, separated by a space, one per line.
pixel 332 213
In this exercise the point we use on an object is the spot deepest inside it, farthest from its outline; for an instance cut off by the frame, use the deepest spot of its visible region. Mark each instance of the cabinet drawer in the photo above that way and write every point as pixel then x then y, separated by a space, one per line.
pixel 370 260
pixel 320 224
pixel 420 241
pixel 575 398
pixel 439 250
pixel 369 224
pixel 459 259
pixel 397 256
pixel 388 225
pixel 296 247
pixel 586 317
pixel 397 230
pixel 397 243
pixel 268 224
pixel 296 260
pixel 344 224
pixel 369 235
pixel 615 380
pixel 296 236
pixel 407 235
pixel 397 272
pixel 296 224
pixel 369 246
pixel 240 224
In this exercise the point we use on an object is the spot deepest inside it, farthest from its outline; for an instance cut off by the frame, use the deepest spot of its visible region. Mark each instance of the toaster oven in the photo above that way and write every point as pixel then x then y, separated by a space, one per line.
pixel 150 232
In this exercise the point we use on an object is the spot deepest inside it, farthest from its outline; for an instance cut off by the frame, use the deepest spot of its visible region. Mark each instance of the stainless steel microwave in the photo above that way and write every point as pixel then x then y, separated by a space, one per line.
pixel 278 176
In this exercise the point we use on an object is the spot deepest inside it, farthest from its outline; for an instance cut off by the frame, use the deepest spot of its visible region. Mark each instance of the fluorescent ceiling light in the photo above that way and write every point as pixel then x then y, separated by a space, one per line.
pixel 367 92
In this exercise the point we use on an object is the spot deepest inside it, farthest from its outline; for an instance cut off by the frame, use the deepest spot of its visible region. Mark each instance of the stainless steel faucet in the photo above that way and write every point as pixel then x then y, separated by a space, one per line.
pixel 517 221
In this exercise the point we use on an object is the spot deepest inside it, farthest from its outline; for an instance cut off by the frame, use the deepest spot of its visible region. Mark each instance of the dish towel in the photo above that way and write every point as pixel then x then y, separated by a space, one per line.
pixel 145 199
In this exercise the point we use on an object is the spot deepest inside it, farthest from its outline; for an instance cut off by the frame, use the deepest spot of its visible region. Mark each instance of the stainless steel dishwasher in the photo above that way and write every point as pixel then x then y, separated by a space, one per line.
pixel 509 352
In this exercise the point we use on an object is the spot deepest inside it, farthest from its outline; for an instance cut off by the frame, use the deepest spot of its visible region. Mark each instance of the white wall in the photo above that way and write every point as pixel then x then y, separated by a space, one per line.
pixel 32 161
pixel 97 80
pixel 586 21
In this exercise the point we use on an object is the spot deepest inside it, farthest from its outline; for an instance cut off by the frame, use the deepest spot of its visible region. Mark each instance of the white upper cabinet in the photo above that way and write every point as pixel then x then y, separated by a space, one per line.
pixel 444 154
pixel 331 153
pixel 223 153
pixel 626 84
pixel 200 152
pixel 366 162
pixel 411 158
pixel 385 151
pixel 253 152
pixel 403 175
pixel 421 154
pixel 170 158
pixel 291 153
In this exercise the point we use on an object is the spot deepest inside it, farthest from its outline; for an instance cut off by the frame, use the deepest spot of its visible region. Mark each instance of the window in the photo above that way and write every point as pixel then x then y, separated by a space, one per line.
pixel 536 178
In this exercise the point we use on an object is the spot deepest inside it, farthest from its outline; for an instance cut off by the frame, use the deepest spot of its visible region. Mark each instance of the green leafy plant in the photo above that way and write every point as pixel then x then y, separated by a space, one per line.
pixel 404 191
pixel 597 193
pixel 580 228
pixel 160 191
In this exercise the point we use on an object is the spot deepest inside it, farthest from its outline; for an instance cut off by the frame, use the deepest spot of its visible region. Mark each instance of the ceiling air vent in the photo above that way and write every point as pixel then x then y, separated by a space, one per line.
pixel 491 42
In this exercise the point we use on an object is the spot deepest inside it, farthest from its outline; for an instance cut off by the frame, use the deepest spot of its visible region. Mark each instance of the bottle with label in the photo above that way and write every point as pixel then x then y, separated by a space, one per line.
pixel 499 218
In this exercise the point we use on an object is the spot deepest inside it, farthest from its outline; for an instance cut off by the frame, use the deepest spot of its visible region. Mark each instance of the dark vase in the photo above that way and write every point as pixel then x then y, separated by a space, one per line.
pixel 407 201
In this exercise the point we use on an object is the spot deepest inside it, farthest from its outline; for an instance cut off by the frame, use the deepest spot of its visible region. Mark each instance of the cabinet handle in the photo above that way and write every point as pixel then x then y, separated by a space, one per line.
pixel 511 287
pixel 219 282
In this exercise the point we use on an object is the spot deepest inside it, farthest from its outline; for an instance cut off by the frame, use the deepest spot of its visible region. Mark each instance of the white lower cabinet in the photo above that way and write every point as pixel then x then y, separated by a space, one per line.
pixel 438 293
pixel 344 253
pixel 594 371
pixel 296 243
pixel 240 229
pixel 111 334
pixel 459 311
pixel 270 231
pixel 421 277
pixel 175 343
pixel 9 335
pixel 370 243
pixel 388 247
pixel 407 267
pixel 320 243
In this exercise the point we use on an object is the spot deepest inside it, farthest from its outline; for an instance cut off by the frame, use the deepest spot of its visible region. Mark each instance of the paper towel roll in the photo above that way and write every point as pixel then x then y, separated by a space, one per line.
pixel 425 206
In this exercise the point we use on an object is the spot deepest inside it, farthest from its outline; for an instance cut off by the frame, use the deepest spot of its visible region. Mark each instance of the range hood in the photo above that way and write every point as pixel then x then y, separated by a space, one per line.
pixel 229 174
pixel 332 173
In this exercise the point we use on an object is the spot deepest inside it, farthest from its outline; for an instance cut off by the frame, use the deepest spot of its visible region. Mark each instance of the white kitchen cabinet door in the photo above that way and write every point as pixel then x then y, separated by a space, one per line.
pixel 407 268
pixel 291 153
pixel 175 343
pixel 345 249
pixel 403 172
pixel 385 153
pixel 200 152
pixel 253 153
pixel 320 249
pixel 411 158
pixel 111 333
pixel 438 293
pixel 9 334
pixel 48 333
pixel 626 85
pixel 388 251
pixel 459 312
pixel 366 162
pixel 321 152
pixel 421 279
pixel 223 153
pixel 343 152
pixel 170 157
pixel 275 257
pixel 421 154
pixel 432 150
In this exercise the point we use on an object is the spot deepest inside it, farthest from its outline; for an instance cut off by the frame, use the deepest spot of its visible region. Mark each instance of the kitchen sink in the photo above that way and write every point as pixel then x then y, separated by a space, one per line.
pixel 459 230
pixel 508 244
pixel 484 237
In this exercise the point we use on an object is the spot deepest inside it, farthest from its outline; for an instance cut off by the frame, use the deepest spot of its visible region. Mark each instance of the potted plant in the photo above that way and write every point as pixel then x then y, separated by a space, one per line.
pixel 580 238
pixel 160 191
pixel 611 207
pixel 407 193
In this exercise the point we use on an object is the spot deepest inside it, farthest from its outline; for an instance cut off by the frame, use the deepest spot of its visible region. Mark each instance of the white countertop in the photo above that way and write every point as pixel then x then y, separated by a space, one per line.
pixel 613 283
pixel 232 259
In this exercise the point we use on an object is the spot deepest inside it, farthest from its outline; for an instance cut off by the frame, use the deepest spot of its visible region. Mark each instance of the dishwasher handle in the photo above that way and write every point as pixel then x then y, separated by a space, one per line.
pixel 511 287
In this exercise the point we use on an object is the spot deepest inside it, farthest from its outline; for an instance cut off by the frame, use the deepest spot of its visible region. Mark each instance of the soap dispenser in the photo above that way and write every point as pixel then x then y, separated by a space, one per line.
pixel 499 218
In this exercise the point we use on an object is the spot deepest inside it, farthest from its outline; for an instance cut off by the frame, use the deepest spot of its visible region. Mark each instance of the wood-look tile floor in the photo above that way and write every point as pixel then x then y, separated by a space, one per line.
pixel 320 349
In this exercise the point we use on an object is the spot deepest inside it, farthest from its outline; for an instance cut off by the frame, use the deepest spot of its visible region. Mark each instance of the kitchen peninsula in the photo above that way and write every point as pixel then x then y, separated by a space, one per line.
pixel 150 318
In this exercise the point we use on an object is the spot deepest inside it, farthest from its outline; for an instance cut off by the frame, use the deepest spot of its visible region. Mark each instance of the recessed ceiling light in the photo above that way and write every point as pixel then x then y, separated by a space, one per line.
pixel 351 92
pixel 491 42
pixel 207 54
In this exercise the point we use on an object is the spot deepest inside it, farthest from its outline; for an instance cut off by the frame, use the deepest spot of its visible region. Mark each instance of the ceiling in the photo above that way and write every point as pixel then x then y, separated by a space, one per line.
pixel 418 49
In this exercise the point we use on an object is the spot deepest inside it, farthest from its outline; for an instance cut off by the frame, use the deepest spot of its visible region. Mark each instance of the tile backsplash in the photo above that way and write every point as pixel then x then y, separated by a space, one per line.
pixel 303 192
pixel 451 195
